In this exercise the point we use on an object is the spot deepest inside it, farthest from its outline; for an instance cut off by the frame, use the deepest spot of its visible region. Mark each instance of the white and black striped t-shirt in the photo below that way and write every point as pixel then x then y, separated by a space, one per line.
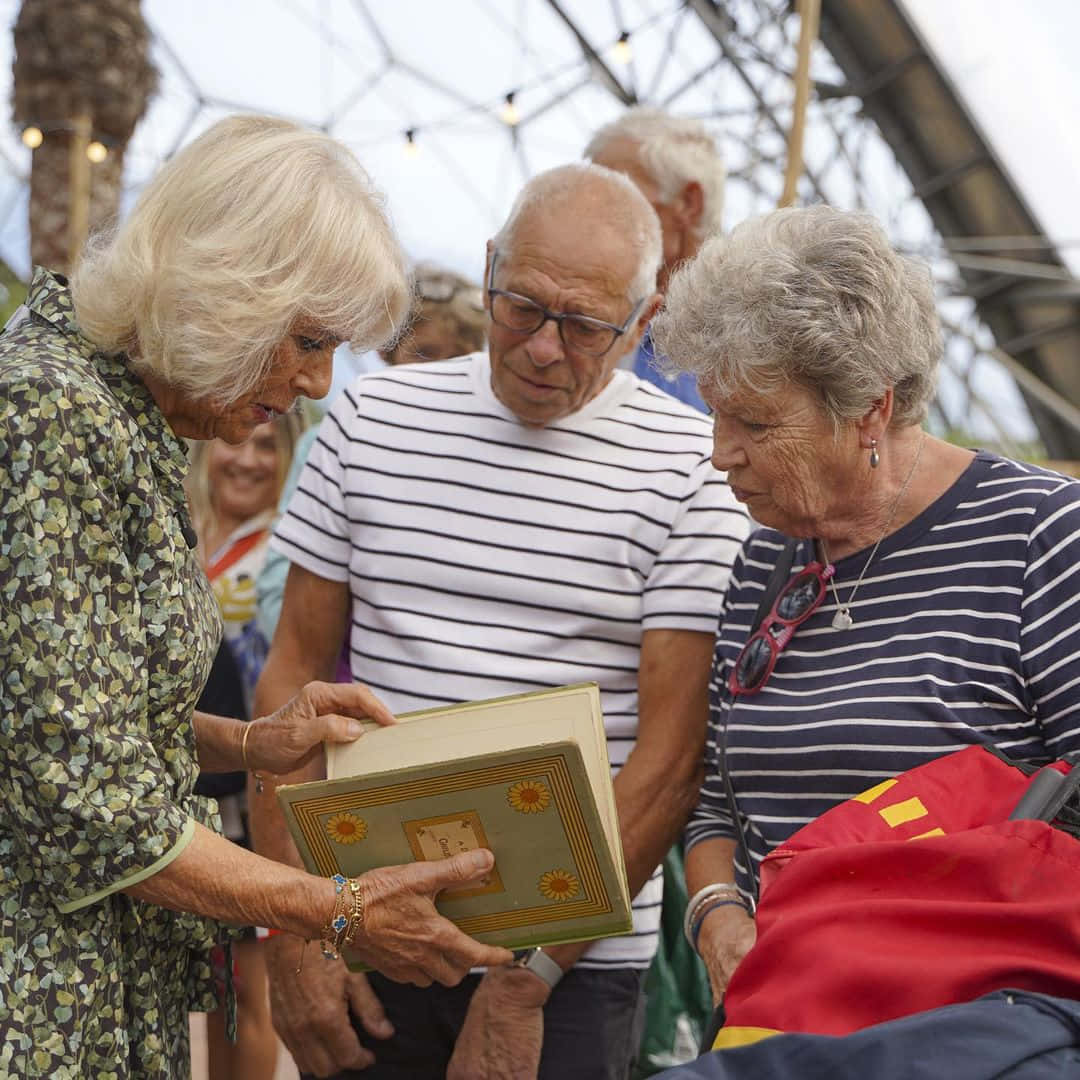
pixel 966 631
pixel 487 558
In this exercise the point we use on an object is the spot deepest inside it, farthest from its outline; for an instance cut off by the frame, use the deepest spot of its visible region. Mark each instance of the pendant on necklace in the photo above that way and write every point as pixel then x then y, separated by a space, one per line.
pixel 842 620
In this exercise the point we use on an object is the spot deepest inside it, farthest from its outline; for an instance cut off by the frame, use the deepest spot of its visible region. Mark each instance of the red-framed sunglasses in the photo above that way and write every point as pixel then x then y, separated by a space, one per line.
pixel 798 600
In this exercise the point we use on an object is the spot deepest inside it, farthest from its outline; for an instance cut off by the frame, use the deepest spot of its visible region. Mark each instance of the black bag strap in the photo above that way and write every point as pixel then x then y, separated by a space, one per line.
pixel 1059 804
pixel 777 580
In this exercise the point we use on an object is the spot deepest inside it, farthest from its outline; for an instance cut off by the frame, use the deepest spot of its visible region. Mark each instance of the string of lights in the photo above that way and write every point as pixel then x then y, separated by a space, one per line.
pixel 545 74
pixel 508 110
pixel 32 137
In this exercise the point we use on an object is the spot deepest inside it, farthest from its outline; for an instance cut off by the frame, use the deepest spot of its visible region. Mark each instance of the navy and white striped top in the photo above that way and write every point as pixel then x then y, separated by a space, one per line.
pixel 488 558
pixel 965 632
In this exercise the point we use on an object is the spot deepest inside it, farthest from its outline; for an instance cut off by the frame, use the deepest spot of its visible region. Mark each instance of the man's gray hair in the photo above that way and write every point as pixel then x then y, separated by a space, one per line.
pixel 673 150
pixel 814 296
pixel 604 196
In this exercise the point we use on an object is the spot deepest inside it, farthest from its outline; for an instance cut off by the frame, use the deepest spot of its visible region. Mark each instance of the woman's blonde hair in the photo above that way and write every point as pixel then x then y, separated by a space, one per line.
pixel 287 431
pixel 254 225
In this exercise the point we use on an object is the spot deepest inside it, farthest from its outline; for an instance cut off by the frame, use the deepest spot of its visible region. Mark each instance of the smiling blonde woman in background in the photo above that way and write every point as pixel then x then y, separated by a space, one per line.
pixel 233 493
pixel 246 260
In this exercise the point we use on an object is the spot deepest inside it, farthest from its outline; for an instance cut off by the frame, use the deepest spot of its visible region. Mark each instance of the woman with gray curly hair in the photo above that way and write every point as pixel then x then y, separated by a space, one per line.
pixel 249 257
pixel 902 598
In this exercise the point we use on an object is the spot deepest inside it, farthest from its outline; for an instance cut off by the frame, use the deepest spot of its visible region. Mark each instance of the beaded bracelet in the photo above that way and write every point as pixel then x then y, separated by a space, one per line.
pixel 345 919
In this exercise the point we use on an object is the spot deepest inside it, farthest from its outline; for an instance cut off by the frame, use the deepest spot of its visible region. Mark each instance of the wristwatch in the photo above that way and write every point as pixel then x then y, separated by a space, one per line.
pixel 540 964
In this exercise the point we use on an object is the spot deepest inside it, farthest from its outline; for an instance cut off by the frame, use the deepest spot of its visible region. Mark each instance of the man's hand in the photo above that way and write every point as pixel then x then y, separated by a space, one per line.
pixel 405 938
pixel 727 935
pixel 503 1031
pixel 322 712
pixel 311 1008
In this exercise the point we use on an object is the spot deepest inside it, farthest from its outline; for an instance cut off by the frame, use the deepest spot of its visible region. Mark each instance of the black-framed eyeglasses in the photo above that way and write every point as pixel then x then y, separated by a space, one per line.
pixel 582 333
pixel 798 600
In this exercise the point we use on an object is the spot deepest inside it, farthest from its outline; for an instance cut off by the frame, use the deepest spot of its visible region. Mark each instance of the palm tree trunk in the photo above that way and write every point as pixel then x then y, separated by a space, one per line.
pixel 82 71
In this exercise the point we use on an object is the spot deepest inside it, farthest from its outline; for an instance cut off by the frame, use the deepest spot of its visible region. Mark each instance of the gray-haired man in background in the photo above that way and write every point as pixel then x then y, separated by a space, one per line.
pixel 676 165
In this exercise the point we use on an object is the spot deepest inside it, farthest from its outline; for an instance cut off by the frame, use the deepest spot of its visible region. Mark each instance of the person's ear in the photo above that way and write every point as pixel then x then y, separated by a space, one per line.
pixel 690 205
pixel 649 310
pixel 641 323
pixel 875 422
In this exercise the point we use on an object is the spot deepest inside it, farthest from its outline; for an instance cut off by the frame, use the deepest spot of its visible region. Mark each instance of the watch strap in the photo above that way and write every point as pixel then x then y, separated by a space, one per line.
pixel 540 964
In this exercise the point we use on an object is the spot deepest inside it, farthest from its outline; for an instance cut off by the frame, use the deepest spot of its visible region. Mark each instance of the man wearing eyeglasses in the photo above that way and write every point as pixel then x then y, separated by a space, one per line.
pixel 527 517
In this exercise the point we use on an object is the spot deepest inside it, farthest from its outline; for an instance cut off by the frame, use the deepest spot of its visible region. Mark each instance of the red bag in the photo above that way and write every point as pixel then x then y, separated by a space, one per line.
pixel 915 894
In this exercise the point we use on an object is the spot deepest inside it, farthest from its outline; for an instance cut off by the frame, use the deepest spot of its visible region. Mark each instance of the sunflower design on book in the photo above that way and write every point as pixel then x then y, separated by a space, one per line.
pixel 559 885
pixel 346 828
pixel 528 796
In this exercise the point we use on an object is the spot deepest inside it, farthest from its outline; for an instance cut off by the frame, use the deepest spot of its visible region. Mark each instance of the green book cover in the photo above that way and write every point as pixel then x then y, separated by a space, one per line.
pixel 525 776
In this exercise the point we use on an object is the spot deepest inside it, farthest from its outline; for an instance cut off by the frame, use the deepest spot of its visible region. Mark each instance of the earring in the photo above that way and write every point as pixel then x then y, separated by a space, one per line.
pixel 875 458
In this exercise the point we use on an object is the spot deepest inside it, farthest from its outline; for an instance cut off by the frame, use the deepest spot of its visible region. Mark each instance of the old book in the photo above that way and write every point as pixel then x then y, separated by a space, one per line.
pixel 525 776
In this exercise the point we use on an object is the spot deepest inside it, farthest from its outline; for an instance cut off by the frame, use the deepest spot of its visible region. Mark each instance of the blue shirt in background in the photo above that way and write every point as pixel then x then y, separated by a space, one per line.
pixel 681 386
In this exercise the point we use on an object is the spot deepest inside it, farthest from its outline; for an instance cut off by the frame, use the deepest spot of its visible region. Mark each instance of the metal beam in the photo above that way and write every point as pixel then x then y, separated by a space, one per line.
pixel 1034 387
pixel 950 176
pixel 718 24
pixel 1051 332
pixel 604 75
pixel 968 194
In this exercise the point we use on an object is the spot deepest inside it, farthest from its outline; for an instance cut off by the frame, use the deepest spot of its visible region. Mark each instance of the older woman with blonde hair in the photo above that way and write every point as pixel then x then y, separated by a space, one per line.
pixel 246 260
pixel 923 596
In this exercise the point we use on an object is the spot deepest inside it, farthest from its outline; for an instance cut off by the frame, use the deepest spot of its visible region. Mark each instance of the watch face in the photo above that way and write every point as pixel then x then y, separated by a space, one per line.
pixel 523 956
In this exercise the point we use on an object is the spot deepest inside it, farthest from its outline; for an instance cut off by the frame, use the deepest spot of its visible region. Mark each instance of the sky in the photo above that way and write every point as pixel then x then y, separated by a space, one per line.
pixel 320 60
pixel 370 71
pixel 325 60
pixel 1016 66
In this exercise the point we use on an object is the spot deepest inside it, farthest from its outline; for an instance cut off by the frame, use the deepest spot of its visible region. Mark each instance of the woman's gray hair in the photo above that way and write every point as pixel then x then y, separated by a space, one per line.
pixel 815 296
pixel 674 151
pixel 254 225
pixel 602 194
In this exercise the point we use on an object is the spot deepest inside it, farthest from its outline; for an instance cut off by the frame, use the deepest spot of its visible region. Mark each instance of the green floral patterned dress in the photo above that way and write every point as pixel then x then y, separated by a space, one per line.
pixel 107 631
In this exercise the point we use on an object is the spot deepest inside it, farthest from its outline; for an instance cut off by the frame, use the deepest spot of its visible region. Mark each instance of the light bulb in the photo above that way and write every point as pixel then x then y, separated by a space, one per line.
pixel 32 137
pixel 97 152
pixel 622 51
pixel 509 112
pixel 411 147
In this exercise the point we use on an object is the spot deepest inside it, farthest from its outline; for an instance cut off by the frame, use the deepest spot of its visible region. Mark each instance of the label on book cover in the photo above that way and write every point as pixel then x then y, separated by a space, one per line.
pixel 451 834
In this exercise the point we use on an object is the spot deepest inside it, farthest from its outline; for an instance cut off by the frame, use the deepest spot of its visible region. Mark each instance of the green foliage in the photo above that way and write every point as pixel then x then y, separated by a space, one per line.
pixel 1030 451
pixel 13 292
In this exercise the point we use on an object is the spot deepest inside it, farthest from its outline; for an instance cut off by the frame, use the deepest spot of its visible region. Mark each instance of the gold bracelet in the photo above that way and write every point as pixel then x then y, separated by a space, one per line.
pixel 356 916
pixel 345 920
pixel 243 757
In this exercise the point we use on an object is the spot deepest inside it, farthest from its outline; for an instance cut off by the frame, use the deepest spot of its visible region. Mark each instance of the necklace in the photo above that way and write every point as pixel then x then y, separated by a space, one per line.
pixel 842 620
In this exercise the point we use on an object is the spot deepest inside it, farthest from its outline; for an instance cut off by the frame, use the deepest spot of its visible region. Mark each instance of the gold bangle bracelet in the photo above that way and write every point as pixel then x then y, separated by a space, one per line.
pixel 243 746
pixel 243 757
